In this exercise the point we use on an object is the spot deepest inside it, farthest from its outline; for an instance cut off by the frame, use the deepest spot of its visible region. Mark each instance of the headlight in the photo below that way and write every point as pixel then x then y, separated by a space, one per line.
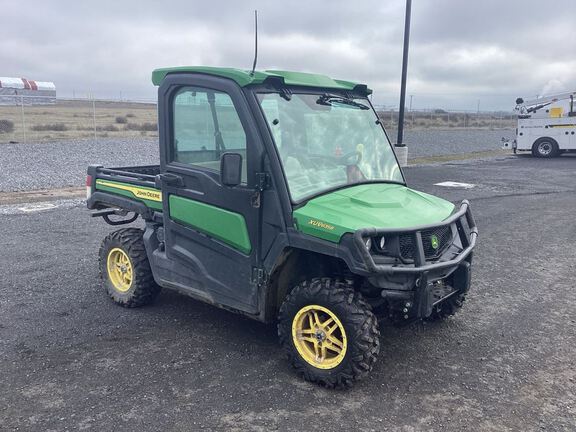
pixel 382 242
pixel 368 243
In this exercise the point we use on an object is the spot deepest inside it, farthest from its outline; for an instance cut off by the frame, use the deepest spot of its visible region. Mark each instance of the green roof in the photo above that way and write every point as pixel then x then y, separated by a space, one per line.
pixel 244 78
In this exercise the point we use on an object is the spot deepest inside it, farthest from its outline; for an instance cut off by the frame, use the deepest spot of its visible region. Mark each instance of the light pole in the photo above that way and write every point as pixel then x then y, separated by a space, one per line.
pixel 400 147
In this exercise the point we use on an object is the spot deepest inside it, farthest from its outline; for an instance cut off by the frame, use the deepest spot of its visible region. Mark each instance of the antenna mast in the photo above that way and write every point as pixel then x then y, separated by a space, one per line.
pixel 255 41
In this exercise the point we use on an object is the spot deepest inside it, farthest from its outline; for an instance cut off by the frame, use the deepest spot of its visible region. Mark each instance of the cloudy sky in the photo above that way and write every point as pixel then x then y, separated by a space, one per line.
pixel 461 52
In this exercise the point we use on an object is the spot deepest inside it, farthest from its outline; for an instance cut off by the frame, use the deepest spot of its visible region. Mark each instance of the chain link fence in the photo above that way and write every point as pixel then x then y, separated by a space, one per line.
pixel 74 119
pixel 444 119
pixel 24 120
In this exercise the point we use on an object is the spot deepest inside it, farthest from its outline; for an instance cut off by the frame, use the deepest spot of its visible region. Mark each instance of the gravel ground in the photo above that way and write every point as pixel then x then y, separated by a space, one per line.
pixel 61 164
pixel 71 360
pixel 433 142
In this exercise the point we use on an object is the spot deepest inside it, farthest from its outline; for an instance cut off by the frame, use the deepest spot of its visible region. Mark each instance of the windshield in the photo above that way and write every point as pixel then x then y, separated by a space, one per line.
pixel 327 141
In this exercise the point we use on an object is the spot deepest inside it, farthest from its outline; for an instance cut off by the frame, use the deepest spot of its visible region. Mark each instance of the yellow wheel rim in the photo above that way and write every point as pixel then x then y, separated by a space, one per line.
pixel 319 337
pixel 119 269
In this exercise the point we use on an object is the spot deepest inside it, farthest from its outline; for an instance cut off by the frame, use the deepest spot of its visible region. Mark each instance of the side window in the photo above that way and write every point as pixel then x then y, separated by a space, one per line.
pixel 206 125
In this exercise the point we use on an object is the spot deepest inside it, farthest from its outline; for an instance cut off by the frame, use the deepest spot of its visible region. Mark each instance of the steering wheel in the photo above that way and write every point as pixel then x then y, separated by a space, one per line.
pixel 350 158
pixel 353 157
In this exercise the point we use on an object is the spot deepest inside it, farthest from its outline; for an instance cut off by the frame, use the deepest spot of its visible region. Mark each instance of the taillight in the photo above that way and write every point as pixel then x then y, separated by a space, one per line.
pixel 88 186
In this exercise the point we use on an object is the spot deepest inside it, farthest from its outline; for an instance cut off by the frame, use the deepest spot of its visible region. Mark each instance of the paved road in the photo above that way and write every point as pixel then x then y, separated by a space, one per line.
pixel 62 164
pixel 71 360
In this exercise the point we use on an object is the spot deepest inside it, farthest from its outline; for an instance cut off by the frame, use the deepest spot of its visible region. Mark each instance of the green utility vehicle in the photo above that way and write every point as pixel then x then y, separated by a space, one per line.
pixel 278 196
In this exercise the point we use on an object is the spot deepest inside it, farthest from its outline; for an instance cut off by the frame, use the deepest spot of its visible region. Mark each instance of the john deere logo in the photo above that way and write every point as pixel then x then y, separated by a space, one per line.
pixel 434 242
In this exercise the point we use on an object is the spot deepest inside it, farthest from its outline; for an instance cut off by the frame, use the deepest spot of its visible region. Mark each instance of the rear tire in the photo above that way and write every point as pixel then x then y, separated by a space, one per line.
pixel 329 332
pixel 125 270
pixel 545 148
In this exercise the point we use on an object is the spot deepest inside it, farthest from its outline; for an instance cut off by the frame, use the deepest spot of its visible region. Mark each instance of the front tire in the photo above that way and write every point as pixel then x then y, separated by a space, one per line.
pixel 329 332
pixel 125 270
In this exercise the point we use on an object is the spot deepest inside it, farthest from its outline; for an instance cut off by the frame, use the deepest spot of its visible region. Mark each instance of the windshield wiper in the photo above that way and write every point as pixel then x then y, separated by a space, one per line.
pixel 329 99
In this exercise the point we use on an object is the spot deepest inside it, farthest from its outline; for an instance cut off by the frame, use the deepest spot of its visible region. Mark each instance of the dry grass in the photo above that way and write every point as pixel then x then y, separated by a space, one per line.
pixel 75 119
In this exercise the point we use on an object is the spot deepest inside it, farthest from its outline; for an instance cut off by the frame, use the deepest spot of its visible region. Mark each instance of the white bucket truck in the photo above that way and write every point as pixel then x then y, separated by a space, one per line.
pixel 546 126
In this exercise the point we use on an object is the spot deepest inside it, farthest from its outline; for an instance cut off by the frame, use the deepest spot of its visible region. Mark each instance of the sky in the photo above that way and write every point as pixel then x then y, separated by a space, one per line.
pixel 464 54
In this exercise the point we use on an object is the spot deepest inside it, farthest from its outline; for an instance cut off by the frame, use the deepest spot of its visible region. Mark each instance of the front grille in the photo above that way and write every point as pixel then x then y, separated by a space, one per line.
pixel 408 248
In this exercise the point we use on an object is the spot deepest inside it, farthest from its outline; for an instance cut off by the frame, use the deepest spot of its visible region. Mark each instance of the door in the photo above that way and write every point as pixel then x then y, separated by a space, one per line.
pixel 211 230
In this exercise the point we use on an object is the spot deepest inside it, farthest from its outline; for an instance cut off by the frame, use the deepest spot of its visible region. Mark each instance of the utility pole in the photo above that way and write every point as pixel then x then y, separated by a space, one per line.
pixel 94 117
pixel 400 147
pixel 410 109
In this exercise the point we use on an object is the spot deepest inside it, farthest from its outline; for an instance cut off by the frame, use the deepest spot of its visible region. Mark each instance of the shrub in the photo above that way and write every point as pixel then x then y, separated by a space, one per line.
pixel 6 126
pixel 151 127
pixel 121 120
pixel 130 115
pixel 107 128
pixel 57 127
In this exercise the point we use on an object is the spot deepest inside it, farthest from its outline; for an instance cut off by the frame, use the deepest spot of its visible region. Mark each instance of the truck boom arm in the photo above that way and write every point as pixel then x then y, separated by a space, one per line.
pixel 526 107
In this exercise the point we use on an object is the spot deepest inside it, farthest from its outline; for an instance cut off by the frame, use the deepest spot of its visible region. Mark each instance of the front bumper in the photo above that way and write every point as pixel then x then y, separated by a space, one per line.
pixel 509 144
pixel 467 233
pixel 422 274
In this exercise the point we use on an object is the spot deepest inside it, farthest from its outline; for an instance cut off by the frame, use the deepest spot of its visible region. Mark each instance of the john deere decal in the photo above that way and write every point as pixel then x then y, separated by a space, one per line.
pixel 434 241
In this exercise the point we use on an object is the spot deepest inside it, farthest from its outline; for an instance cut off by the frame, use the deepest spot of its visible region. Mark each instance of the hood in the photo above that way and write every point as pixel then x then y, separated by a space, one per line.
pixel 374 205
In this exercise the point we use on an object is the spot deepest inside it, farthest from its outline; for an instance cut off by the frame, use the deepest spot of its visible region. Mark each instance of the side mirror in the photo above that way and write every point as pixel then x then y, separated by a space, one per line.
pixel 231 169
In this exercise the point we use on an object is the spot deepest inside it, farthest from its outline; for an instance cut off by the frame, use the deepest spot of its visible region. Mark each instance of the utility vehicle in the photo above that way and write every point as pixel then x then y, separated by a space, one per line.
pixel 546 126
pixel 278 196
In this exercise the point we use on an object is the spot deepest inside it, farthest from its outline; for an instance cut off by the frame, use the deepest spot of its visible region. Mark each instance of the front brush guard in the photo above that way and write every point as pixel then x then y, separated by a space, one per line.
pixel 420 268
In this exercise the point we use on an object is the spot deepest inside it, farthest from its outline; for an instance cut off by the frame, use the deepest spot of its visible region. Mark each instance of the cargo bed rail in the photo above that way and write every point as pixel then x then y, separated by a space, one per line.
pixel 119 191
pixel 141 175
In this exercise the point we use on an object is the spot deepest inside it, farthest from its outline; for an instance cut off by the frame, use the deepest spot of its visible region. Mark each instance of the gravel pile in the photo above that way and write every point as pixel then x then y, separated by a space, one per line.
pixel 60 164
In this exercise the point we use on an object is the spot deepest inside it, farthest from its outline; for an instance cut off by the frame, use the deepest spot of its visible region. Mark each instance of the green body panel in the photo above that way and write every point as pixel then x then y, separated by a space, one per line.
pixel 369 206
pixel 244 78
pixel 221 224
pixel 130 191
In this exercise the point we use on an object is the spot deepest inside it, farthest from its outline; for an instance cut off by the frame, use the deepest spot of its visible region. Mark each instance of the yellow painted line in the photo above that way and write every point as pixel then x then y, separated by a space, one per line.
pixel 147 194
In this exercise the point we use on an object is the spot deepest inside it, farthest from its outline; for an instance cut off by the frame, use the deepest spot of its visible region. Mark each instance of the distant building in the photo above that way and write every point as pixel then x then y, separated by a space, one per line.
pixel 15 91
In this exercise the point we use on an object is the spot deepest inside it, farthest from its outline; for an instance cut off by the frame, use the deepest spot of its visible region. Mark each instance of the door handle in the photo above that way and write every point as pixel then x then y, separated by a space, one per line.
pixel 168 179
